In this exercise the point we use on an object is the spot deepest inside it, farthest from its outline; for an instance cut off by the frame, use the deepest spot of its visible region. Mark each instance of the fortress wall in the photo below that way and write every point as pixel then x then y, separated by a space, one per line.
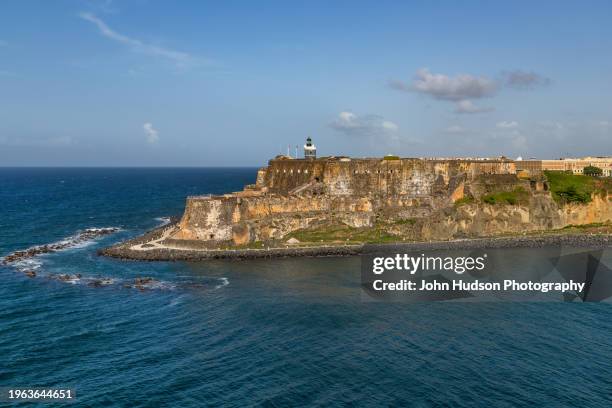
pixel 282 176
pixel 212 218
pixel 220 218
pixel 413 177
pixel 352 191
pixel 207 219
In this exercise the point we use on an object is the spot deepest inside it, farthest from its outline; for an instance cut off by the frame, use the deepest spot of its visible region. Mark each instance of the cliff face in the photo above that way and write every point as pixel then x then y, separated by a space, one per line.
pixel 540 214
pixel 292 195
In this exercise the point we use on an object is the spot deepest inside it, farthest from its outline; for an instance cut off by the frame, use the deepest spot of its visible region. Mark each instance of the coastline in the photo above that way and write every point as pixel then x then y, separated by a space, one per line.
pixel 191 252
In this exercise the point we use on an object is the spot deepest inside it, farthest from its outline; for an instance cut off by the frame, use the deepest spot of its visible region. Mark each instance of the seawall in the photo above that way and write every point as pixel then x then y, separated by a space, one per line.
pixel 196 253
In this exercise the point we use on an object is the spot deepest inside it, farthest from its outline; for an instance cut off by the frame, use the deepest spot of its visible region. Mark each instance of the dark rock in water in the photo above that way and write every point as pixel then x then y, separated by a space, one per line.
pixel 101 282
pixel 83 236
pixel 143 283
pixel 68 278
pixel 30 274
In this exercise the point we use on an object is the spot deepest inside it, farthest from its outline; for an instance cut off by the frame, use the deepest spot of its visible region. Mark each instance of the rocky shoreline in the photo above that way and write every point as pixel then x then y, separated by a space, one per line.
pixel 123 250
pixel 83 236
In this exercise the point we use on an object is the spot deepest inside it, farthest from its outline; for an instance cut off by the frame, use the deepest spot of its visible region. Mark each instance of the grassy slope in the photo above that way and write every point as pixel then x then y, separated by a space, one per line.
pixel 571 188
pixel 517 196
pixel 345 234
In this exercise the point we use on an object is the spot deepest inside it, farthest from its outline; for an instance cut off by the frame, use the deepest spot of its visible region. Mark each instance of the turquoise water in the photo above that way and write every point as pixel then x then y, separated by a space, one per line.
pixel 290 332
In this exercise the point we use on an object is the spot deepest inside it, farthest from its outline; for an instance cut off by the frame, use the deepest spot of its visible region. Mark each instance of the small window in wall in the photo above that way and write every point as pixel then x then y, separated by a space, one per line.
pixel 211 236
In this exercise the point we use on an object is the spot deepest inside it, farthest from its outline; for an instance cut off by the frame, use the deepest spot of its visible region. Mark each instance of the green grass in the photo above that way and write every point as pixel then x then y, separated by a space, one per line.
pixel 517 196
pixel 405 221
pixel 344 234
pixel 587 226
pixel 571 188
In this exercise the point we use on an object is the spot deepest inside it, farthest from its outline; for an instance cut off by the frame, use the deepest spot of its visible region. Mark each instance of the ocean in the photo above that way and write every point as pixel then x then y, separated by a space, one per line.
pixel 278 333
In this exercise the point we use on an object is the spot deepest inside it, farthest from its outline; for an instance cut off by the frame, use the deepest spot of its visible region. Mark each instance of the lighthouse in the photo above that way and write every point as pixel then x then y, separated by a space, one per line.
pixel 310 150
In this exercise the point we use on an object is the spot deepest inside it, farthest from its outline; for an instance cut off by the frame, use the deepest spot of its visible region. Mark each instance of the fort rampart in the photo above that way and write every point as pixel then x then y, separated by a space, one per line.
pixel 293 194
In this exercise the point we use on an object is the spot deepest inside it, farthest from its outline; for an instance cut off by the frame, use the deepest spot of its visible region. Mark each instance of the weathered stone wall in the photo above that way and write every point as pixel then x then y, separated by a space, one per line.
pixel 345 176
pixel 540 214
pixel 297 194
pixel 598 210
pixel 268 216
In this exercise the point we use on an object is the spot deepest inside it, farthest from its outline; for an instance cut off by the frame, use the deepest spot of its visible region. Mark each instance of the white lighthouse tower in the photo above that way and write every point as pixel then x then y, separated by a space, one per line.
pixel 310 150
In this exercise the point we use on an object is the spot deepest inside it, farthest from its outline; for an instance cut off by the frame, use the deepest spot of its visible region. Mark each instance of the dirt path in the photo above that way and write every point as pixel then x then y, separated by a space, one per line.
pixel 156 243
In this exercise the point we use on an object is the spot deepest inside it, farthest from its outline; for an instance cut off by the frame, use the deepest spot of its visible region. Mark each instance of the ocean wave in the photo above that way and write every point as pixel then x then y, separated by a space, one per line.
pixel 26 260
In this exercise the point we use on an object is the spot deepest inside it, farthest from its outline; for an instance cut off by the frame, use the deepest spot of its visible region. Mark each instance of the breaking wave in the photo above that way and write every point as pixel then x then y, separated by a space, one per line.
pixel 29 263
pixel 26 260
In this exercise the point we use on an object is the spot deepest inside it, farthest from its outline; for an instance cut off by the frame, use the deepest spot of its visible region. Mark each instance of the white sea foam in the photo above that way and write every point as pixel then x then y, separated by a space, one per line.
pixel 30 264
pixel 224 282
pixel 163 220
pixel 29 259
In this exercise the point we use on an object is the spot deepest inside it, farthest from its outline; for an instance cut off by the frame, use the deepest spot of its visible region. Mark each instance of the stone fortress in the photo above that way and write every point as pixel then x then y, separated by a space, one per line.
pixel 415 197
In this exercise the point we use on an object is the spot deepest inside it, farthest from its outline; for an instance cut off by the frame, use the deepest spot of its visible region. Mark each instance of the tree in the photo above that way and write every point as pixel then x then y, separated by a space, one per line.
pixel 592 171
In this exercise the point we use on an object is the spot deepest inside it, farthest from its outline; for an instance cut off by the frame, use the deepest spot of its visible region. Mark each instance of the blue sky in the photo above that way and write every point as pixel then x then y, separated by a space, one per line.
pixel 143 83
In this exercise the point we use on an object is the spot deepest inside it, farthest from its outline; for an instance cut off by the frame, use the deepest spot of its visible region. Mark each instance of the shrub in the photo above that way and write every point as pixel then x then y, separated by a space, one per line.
pixel 592 171
pixel 570 188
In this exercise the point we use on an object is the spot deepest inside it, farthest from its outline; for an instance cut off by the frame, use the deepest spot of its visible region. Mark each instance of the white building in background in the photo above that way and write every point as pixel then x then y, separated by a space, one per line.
pixel 577 165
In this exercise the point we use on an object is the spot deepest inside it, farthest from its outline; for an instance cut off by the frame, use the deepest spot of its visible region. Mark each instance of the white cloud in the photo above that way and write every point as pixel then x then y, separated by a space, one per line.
pixel 151 134
pixel 524 80
pixel 443 87
pixel 466 106
pixel 507 125
pixel 464 88
pixel 389 125
pixel 179 58
pixel 365 125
